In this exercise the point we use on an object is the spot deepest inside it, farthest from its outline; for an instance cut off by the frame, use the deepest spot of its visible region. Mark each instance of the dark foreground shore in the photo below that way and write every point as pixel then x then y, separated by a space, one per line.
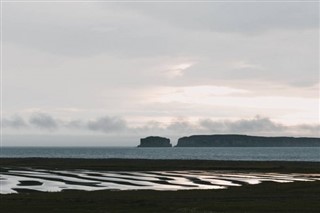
pixel 264 197
pixel 160 165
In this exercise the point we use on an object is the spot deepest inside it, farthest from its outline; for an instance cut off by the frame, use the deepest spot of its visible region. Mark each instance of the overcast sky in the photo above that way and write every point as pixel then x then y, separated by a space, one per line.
pixel 109 73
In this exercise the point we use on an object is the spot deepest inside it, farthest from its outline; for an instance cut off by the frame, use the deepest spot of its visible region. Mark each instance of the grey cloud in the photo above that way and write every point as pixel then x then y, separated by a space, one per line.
pixel 15 122
pixel 43 121
pixel 38 120
pixel 133 39
pixel 255 125
pixel 181 126
pixel 233 16
pixel 144 29
pixel 88 30
pixel 107 124
pixel 259 125
pixel 307 129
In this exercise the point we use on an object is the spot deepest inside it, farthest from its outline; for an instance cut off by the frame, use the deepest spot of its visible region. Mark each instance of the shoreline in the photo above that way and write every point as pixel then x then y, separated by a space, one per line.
pixel 117 164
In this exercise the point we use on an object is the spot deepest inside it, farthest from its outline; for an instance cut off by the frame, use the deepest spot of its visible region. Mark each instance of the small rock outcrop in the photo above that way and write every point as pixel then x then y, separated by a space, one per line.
pixel 155 141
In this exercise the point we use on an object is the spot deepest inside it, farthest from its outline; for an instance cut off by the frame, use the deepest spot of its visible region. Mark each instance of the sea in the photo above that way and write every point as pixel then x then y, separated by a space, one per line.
pixel 309 154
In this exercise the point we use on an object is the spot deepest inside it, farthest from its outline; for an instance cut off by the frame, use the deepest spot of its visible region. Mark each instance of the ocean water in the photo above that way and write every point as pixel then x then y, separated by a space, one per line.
pixel 311 154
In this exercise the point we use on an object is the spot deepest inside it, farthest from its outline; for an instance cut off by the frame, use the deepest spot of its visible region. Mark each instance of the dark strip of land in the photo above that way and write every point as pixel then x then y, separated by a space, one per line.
pixel 159 165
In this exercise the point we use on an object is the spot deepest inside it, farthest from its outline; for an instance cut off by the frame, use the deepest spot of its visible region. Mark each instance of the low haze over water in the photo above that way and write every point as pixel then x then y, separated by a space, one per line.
pixel 205 153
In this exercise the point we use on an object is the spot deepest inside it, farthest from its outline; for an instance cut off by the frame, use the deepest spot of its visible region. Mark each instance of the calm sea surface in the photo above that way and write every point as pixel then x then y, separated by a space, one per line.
pixel 212 153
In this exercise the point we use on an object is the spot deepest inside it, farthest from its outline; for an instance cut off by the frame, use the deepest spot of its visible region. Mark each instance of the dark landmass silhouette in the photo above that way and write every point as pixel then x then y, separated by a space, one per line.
pixel 246 141
pixel 155 141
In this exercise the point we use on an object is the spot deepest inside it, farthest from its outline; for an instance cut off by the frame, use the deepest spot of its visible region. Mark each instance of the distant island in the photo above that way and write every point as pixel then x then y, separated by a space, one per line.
pixel 246 141
pixel 231 140
pixel 155 141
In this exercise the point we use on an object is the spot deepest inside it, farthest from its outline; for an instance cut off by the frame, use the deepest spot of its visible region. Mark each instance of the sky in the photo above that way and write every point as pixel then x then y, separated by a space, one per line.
pixel 109 73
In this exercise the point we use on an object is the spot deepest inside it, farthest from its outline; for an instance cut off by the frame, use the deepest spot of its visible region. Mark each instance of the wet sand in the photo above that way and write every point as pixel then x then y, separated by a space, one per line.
pixel 19 180
pixel 267 196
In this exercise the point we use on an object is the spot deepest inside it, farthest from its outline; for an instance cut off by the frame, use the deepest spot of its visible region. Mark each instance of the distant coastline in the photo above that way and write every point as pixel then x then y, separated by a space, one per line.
pixel 231 140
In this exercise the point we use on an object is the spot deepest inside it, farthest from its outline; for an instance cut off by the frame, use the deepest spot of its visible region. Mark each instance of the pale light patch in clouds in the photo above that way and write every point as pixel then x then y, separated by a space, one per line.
pixel 195 94
pixel 205 94
pixel 178 70
pixel 245 65
pixel 224 96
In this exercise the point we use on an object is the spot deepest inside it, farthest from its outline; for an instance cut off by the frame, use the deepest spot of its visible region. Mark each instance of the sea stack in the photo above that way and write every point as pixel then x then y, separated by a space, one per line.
pixel 155 141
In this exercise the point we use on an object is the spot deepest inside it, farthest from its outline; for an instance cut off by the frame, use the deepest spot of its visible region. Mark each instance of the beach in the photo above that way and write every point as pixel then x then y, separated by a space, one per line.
pixel 267 196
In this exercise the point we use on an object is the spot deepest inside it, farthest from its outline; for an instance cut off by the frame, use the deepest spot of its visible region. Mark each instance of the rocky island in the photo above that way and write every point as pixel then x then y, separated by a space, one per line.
pixel 246 141
pixel 155 141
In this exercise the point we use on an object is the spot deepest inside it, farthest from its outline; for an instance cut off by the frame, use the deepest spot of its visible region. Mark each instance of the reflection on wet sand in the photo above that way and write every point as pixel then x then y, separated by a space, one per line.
pixel 19 180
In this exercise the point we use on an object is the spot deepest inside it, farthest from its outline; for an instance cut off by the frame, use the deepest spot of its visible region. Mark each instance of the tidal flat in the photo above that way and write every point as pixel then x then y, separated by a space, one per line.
pixel 129 185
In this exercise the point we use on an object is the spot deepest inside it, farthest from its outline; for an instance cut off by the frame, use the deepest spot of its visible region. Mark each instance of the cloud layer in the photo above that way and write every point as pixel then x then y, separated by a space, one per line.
pixel 116 125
